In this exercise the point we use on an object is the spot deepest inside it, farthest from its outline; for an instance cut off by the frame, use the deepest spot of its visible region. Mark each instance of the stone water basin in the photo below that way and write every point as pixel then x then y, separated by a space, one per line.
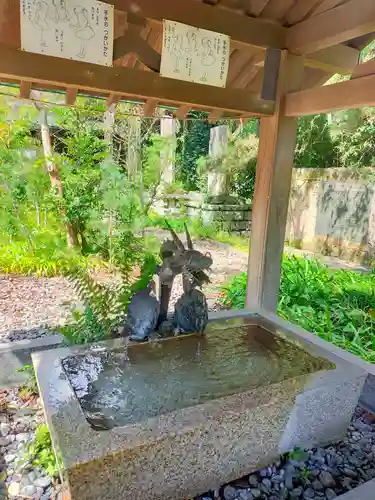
pixel 173 419
pixel 117 387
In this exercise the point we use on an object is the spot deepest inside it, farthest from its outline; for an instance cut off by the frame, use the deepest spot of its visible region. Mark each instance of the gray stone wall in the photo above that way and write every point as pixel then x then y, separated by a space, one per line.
pixel 232 218
pixel 333 211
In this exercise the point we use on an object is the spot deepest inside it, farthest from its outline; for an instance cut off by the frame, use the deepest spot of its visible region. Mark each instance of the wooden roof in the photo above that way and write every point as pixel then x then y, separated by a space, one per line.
pixel 303 26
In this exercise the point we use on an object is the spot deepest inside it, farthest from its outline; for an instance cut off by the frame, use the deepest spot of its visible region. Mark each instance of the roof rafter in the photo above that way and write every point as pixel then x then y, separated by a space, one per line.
pixel 342 23
pixel 241 29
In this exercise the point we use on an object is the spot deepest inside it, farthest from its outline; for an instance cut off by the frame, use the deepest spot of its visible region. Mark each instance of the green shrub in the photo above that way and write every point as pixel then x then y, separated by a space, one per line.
pixel 337 305
pixel 40 451
pixel 20 258
pixel 28 388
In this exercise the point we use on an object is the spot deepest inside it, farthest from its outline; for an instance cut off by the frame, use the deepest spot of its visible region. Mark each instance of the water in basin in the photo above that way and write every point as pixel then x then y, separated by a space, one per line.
pixel 117 387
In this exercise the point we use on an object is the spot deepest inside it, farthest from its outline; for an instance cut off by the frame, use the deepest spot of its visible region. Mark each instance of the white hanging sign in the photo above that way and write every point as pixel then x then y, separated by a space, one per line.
pixel 73 29
pixel 194 54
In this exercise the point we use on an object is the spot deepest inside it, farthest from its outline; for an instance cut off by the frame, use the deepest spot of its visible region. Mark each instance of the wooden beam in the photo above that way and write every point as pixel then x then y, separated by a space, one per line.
pixel 113 99
pixel 183 111
pixel 25 89
pixel 364 69
pixel 345 95
pixel 71 96
pixel 215 115
pixel 271 74
pixel 338 59
pixel 241 29
pixel 118 80
pixel 132 42
pixel 149 107
pixel 344 22
pixel 271 195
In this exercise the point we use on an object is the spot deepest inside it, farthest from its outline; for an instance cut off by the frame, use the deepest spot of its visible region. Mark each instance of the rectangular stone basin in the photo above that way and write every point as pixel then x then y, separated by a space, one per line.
pixel 173 419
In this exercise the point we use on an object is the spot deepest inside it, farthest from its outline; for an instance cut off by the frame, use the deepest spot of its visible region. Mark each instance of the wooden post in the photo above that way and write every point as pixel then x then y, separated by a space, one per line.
pixel 273 180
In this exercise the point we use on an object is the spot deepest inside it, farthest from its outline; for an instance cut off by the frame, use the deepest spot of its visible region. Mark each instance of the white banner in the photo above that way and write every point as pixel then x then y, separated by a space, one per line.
pixel 73 29
pixel 194 54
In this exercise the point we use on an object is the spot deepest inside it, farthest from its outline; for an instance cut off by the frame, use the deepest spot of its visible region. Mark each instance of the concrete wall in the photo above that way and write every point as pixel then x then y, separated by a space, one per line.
pixel 332 211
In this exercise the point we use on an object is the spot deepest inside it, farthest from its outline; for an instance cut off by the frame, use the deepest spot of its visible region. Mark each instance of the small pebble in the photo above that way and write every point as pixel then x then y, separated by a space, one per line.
pixel 253 480
pixel 296 492
pixel 267 483
pixel 256 492
pixel 14 489
pixel 309 493
pixel 28 491
pixel 330 494
pixel 326 479
pixel 230 493
pixel 4 429
pixel 43 482
pixel 245 495
pixel 9 457
pixel 317 485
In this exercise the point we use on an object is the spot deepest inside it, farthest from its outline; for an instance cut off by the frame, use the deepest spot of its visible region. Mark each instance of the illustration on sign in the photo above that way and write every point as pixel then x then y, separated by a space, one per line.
pixel 194 54
pixel 72 29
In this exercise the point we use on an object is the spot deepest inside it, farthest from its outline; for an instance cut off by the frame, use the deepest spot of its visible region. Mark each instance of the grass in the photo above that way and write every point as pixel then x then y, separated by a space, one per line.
pixel 19 257
pixel 337 305
pixel 199 230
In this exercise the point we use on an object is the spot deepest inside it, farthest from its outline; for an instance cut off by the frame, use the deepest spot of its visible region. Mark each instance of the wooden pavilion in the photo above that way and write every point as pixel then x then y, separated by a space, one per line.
pixel 282 53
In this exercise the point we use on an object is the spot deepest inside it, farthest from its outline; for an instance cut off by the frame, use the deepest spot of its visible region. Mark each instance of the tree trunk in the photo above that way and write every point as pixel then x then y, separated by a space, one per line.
pixel 53 172
pixel 71 235
pixel 109 123
pixel 134 147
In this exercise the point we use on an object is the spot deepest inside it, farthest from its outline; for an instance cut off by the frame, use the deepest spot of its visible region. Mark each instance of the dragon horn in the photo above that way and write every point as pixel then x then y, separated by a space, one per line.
pixel 176 239
pixel 188 238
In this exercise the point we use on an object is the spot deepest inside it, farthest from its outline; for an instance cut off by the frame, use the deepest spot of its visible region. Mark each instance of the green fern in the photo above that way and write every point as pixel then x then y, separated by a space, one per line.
pixel 104 305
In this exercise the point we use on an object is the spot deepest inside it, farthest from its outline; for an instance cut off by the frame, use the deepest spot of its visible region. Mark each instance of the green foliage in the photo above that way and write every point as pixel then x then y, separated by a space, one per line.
pixel 40 452
pixel 354 133
pixel 193 142
pixel 43 259
pixel 104 305
pixel 83 149
pixel 337 305
pixel 298 454
pixel 199 230
pixel 238 163
pixel 315 147
pixel 28 388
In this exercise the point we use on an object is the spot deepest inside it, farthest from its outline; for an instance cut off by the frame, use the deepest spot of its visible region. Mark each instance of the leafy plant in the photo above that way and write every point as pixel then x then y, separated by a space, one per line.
pixel 238 164
pixel 104 306
pixel 40 452
pixel 298 454
pixel 28 388
pixel 337 305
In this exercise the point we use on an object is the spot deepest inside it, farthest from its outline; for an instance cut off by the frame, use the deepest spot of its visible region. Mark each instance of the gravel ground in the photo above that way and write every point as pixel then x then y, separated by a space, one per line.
pixel 317 474
pixel 19 419
pixel 29 306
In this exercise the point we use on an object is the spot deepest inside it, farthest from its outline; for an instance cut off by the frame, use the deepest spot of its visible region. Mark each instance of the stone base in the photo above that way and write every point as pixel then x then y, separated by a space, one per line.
pixel 183 453
pixel 15 355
